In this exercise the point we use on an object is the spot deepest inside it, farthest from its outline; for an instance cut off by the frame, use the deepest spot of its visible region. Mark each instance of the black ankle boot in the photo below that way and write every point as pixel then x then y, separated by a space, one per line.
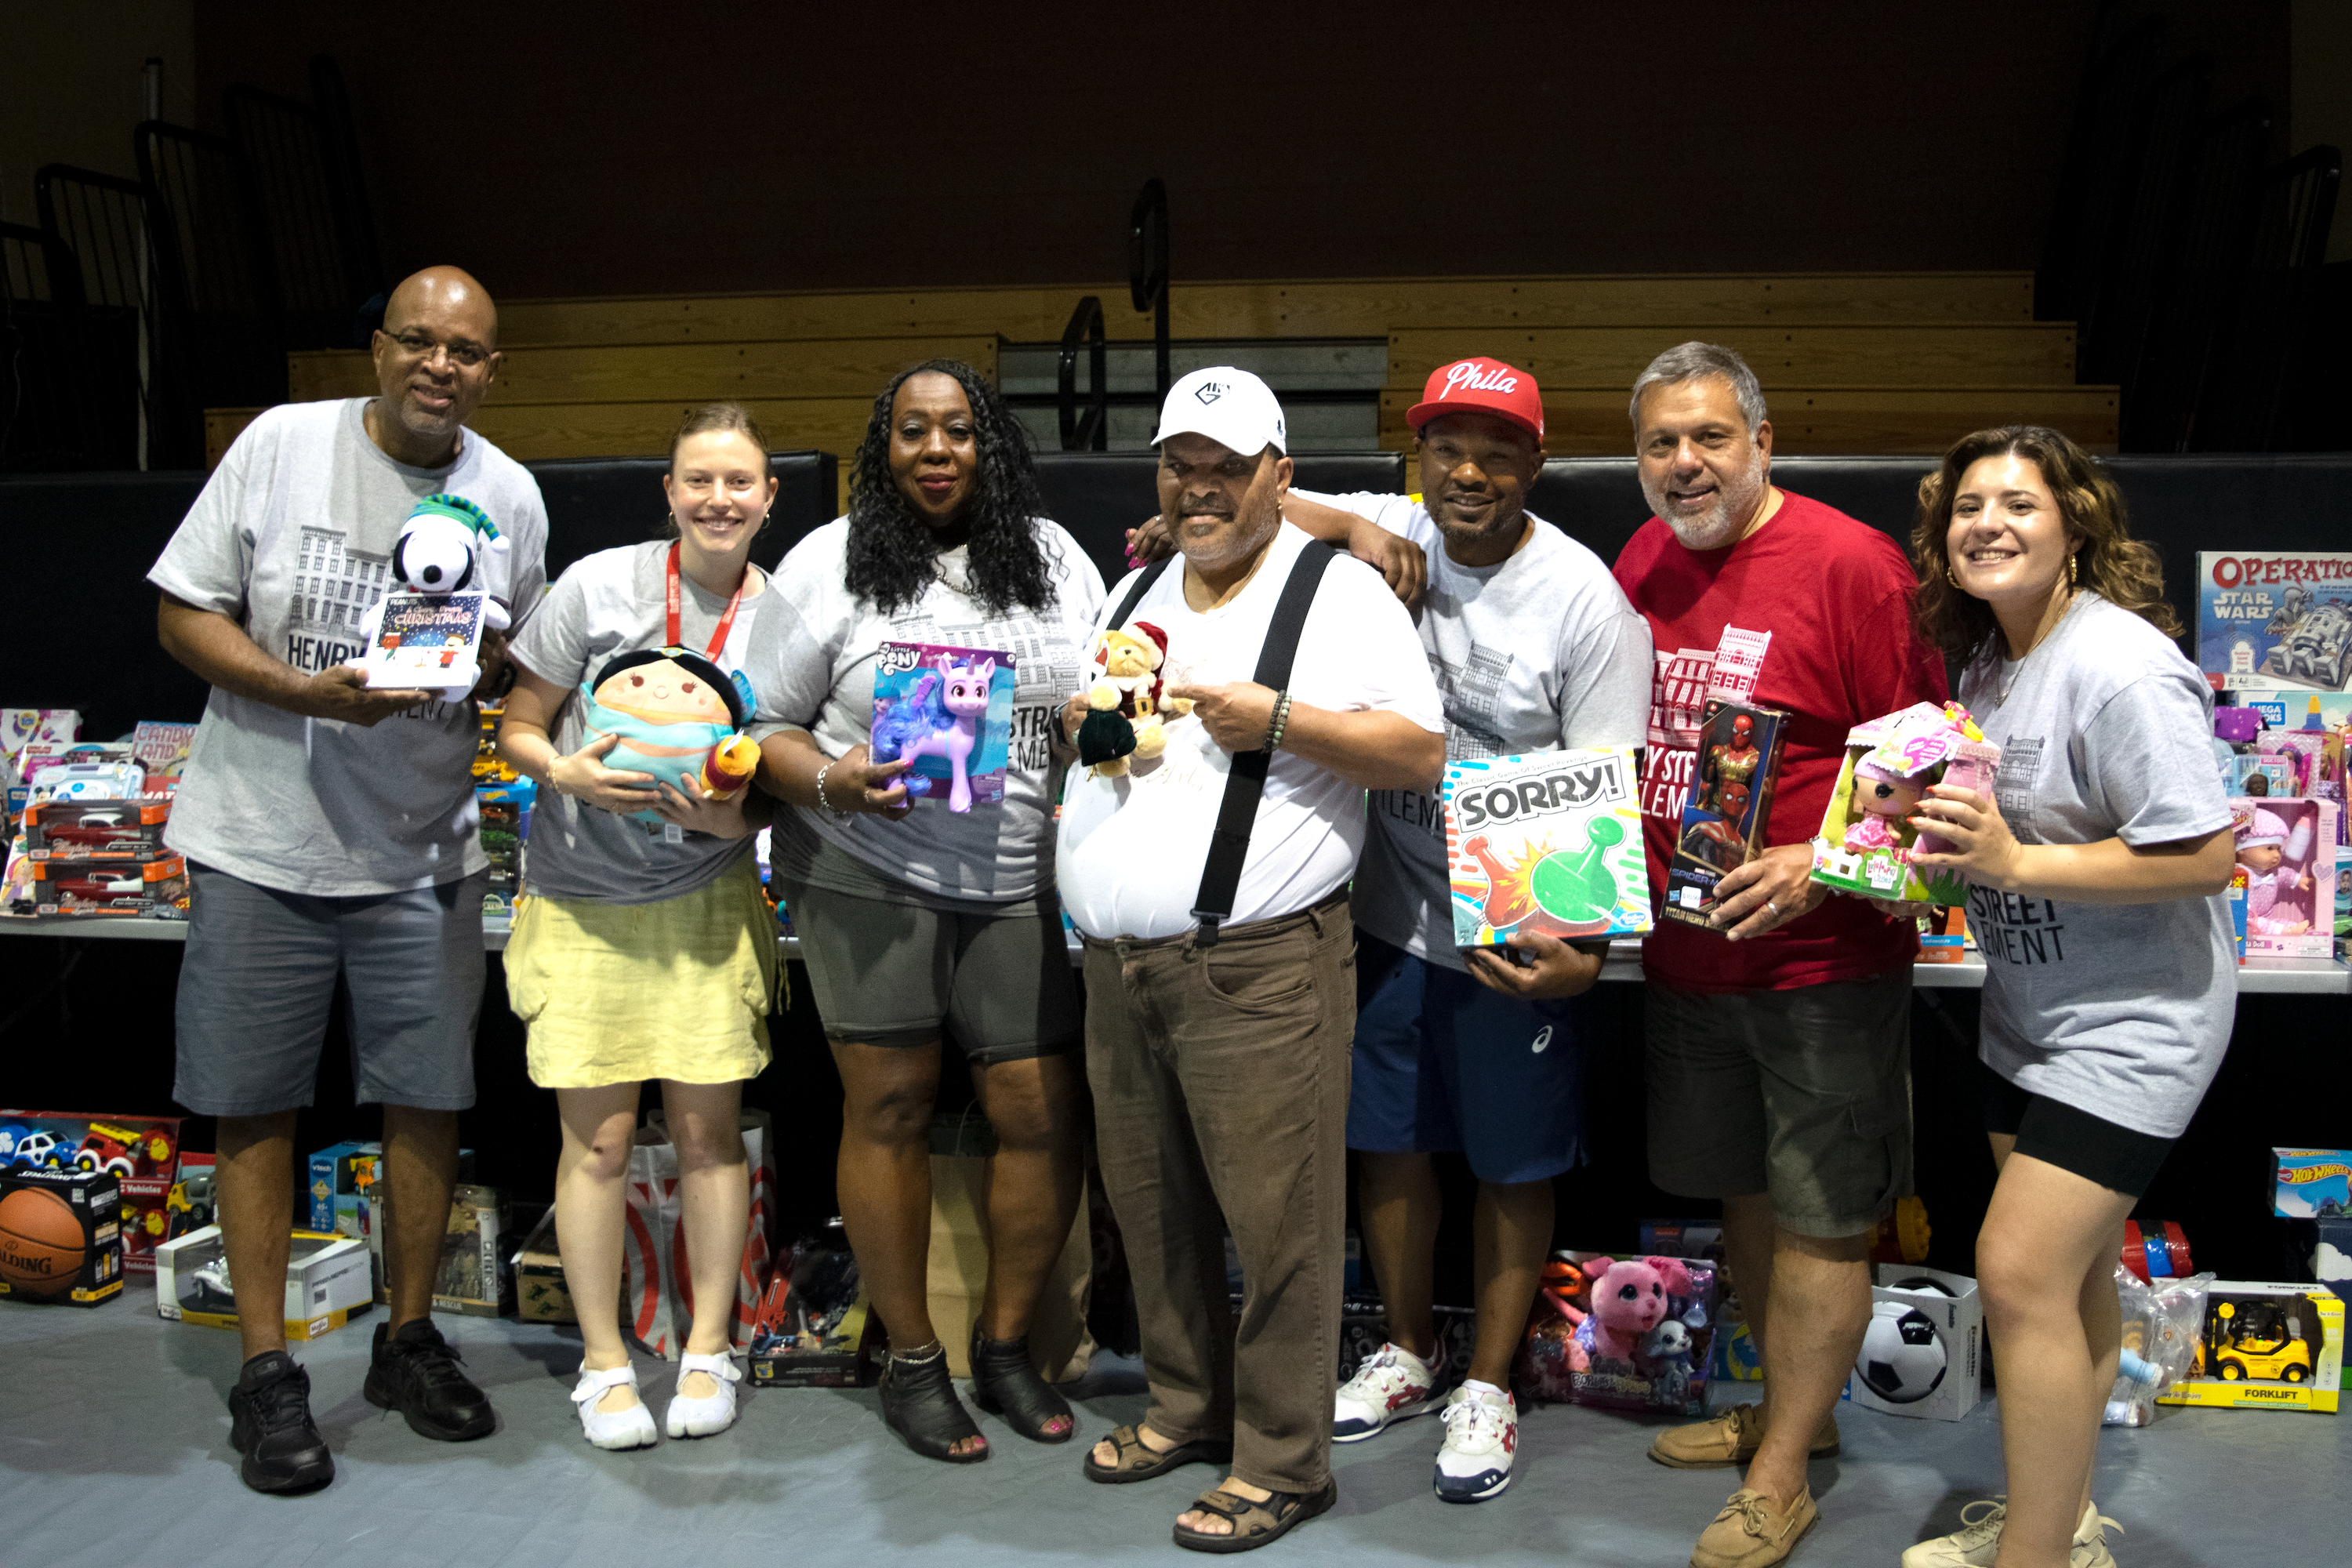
pixel 920 1404
pixel 1005 1381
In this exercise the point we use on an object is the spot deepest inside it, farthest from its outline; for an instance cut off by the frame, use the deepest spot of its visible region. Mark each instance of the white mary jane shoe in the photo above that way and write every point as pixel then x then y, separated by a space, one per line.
pixel 702 1417
pixel 630 1428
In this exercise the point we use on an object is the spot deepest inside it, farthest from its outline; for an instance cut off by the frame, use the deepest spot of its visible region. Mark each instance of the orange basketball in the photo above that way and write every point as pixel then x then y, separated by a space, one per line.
pixel 41 1249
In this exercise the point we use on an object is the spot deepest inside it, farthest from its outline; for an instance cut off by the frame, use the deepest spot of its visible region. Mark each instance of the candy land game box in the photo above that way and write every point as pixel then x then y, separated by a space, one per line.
pixel 1550 843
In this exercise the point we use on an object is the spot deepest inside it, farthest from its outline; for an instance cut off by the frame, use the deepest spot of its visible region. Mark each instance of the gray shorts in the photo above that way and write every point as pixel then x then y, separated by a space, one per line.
pixel 1803 1094
pixel 259 974
pixel 994 976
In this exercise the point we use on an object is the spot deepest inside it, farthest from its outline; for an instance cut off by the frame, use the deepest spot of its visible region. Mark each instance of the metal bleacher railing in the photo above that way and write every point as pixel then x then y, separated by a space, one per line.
pixel 1147 283
pixel 101 277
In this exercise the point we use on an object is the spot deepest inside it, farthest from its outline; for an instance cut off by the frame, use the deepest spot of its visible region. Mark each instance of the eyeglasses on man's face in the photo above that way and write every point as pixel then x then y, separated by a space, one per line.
pixel 464 352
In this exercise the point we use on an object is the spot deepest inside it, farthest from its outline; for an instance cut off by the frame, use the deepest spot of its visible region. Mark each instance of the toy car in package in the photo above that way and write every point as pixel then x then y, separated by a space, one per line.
pixel 947 714
pixel 157 889
pixel 1730 801
pixel 1546 843
pixel 2266 1346
pixel 1866 838
pixel 97 829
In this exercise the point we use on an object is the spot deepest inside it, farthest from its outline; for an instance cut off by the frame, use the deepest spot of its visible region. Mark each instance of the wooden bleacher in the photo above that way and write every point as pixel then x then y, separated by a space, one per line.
pixel 1851 362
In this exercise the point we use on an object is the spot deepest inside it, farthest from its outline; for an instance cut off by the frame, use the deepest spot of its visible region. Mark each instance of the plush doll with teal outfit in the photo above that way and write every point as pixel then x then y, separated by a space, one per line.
pixel 678 717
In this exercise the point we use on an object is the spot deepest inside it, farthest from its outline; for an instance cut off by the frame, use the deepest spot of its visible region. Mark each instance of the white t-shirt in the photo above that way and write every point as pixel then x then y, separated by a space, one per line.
pixel 1536 653
pixel 1132 847
pixel 605 604
pixel 813 667
pixel 291 538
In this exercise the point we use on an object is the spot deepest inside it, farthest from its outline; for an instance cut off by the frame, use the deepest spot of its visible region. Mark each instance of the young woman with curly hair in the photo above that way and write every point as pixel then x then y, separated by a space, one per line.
pixel 2097 871
pixel 947 924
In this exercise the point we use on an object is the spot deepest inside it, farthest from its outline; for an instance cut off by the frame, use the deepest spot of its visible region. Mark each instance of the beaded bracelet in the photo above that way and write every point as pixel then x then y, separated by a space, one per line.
pixel 823 803
pixel 1280 721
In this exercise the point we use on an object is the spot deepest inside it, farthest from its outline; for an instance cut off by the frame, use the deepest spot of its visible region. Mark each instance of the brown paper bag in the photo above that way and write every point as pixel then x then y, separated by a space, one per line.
pixel 1058 1339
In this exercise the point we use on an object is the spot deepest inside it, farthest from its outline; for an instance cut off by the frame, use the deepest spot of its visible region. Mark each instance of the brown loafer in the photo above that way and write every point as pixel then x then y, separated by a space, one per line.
pixel 1138 1462
pixel 1751 1533
pixel 1730 1438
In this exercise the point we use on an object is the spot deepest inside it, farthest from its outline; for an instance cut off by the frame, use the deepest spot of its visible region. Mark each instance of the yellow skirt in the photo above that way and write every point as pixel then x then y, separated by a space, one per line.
pixel 623 992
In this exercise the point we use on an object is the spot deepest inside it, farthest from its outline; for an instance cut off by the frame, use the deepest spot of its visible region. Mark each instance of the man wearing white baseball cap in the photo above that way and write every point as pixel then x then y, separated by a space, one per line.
pixel 1208 881
pixel 1535 649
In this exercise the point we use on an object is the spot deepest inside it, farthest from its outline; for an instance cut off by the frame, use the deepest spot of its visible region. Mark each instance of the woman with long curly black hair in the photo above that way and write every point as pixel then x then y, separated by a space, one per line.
pixel 947 924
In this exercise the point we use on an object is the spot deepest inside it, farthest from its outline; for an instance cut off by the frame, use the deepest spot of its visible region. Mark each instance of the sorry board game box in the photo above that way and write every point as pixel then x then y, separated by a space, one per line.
pixel 1547 843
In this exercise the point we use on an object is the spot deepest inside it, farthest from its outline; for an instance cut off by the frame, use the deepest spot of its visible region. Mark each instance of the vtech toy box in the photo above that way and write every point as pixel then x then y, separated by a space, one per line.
pixel 1550 843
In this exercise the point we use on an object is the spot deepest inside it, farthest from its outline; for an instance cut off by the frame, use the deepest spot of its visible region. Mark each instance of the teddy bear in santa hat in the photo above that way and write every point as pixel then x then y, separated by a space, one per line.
pixel 1126 700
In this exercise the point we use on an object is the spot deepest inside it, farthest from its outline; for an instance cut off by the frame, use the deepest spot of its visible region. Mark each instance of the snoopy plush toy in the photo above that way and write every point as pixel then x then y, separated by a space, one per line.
pixel 441 568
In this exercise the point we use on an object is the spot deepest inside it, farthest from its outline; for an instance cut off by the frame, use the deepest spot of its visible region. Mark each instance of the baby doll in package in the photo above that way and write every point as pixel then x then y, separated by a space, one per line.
pixel 678 718
pixel 1867 839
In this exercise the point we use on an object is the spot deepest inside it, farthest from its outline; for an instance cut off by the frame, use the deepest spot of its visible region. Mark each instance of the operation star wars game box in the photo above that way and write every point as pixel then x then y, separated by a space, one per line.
pixel 2275 620
pixel 1549 843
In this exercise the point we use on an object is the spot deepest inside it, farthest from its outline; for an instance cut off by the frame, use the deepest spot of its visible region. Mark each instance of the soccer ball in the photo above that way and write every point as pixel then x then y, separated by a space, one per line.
pixel 1902 1358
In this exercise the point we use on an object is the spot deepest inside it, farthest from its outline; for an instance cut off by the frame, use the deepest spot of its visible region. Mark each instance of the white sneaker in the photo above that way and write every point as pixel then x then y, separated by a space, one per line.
pixel 1978 1541
pixel 1392 1384
pixel 1482 1436
pixel 702 1417
pixel 629 1429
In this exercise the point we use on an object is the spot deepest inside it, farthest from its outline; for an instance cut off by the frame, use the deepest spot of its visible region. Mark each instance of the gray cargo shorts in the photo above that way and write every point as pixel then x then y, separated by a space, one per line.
pixel 1803 1094
pixel 259 974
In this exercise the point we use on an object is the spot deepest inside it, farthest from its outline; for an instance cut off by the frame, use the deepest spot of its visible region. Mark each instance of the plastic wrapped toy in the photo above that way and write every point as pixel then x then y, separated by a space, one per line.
pixel 1867 839
pixel 2161 1325
pixel 679 717
pixel 1730 803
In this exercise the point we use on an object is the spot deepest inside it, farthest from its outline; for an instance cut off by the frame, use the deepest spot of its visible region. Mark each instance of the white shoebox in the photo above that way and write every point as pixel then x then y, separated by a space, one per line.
pixel 328 1282
pixel 1921 1354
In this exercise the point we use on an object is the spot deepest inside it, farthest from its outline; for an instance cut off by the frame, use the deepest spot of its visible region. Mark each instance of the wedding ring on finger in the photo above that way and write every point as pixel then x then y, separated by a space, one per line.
pixel 1774 910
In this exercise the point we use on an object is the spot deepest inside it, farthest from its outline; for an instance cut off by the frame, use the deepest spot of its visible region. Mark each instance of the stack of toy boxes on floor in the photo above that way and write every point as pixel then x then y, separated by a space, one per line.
pixel 2274 638
pixel 82 1200
pixel 504 798
pixel 349 1198
pixel 87 819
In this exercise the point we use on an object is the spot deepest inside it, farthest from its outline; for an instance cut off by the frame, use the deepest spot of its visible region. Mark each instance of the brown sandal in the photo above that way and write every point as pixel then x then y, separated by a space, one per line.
pixel 1139 1463
pixel 1256 1524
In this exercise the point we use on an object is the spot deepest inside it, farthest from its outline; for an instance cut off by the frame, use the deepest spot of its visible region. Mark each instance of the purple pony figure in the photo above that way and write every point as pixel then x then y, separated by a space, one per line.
pixel 938 719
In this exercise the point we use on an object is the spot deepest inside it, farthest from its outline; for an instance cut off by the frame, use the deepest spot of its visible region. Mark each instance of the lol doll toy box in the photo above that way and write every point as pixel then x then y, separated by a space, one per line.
pixel 1549 843
pixel 1730 799
pixel 1866 838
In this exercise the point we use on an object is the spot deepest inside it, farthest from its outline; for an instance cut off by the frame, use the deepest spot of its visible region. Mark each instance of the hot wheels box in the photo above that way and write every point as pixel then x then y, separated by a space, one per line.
pixel 1549 843
pixel 61 1235
pixel 1730 801
pixel 2267 1346
pixel 2272 620
pixel 2311 1183
pixel 949 712
pixel 326 1282
pixel 1866 837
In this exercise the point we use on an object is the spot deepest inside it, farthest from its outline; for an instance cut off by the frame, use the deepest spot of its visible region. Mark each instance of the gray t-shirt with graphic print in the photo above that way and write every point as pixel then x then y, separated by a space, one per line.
pixel 812 666
pixel 291 538
pixel 2120 1010
pixel 1538 653
pixel 608 604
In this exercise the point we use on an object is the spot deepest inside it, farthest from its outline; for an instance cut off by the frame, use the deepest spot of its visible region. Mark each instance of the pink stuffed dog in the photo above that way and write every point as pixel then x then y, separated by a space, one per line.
pixel 1629 1300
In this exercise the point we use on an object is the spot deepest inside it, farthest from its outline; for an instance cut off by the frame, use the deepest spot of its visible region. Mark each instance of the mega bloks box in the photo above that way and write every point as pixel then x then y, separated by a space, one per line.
pixel 2287 850
pixel 1866 838
pixel 1921 1353
pixel 1730 801
pixel 2311 1183
pixel 2267 1345
pixel 1546 843
pixel 2268 620
pixel 141 1151
pixel 61 1235
pixel 327 1282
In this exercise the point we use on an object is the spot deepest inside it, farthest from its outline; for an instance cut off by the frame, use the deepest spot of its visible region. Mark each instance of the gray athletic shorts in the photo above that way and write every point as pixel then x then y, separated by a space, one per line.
pixel 259 974
pixel 996 977
pixel 1803 1094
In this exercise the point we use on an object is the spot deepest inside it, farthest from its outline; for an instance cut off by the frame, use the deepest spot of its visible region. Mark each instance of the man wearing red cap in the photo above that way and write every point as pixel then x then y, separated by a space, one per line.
pixel 1535 649
pixel 1778 1052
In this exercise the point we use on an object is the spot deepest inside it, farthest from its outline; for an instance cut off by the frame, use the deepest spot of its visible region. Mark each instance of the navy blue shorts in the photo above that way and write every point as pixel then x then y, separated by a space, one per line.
pixel 1444 1065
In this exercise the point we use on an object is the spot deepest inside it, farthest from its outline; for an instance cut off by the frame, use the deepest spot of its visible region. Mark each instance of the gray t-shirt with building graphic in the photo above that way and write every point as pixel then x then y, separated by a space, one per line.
pixel 291 538
pixel 2120 1010
pixel 1538 653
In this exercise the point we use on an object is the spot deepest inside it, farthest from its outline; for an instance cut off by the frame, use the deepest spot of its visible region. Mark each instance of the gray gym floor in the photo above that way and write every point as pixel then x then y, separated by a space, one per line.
pixel 114 1449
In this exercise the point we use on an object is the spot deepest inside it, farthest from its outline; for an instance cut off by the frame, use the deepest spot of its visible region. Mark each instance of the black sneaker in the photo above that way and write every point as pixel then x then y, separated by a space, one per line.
pixel 415 1373
pixel 269 1422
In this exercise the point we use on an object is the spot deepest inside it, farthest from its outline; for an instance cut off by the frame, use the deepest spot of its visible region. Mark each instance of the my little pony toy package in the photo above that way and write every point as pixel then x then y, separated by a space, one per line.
pixel 949 712
pixel 1547 843
pixel 1635 1333
pixel 1866 838
pixel 1729 802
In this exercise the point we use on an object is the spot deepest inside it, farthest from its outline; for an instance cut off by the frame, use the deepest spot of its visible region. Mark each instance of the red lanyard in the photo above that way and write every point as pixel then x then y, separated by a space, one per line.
pixel 725 622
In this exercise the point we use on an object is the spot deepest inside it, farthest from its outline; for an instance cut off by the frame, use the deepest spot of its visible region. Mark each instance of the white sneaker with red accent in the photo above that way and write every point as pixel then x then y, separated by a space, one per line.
pixel 1482 1436
pixel 1392 1384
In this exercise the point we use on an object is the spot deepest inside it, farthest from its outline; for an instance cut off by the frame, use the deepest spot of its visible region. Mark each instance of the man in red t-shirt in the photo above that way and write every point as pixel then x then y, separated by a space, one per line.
pixel 1778 1042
